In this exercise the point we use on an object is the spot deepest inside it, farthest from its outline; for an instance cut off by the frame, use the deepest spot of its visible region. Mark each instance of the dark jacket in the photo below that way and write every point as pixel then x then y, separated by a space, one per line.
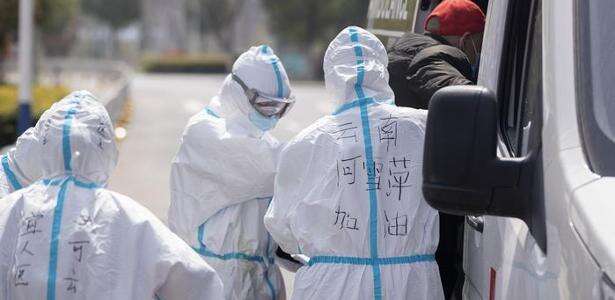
pixel 421 64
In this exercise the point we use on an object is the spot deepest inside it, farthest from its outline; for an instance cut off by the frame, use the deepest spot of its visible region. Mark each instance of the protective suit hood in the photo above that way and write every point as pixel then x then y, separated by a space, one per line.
pixel 67 237
pixel 345 74
pixel 68 130
pixel 222 180
pixel 348 188
pixel 259 68
pixel 224 158
pixel 21 164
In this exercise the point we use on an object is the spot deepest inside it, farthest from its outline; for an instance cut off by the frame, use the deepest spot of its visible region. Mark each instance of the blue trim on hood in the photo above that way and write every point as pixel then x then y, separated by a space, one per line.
pixel 278 76
pixel 355 103
pixel 59 207
pixel 274 61
pixel 10 176
pixel 369 160
pixel 66 148
pixel 212 113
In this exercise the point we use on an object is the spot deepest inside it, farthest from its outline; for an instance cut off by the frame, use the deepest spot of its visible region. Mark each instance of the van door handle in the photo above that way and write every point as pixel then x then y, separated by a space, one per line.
pixel 476 222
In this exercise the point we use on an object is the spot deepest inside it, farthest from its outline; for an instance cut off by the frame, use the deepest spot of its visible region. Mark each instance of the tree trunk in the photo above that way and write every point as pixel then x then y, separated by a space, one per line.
pixel 4 46
pixel 225 38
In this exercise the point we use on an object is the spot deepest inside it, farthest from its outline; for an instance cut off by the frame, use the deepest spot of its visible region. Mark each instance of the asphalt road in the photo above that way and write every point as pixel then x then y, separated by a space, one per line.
pixel 162 105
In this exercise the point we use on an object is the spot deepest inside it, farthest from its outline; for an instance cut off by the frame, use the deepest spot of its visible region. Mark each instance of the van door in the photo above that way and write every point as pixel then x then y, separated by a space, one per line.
pixel 476 269
pixel 497 248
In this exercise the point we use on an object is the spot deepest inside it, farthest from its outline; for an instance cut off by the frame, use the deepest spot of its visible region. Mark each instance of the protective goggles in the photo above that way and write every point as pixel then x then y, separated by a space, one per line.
pixel 268 106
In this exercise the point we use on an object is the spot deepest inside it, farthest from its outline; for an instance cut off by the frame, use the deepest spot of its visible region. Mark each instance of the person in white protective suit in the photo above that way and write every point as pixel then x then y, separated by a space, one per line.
pixel 348 188
pixel 20 166
pixel 68 237
pixel 222 176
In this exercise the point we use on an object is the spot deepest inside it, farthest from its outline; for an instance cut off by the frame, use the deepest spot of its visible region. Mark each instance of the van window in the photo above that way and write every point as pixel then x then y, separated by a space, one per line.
pixel 521 81
pixel 531 95
pixel 595 66
pixel 602 47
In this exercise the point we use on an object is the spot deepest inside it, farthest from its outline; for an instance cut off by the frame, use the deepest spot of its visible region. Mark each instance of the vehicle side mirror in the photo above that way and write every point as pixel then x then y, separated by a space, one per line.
pixel 462 173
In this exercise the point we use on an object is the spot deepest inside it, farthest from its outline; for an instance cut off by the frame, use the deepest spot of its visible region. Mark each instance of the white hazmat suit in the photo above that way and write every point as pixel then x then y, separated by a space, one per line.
pixel 67 237
pixel 348 188
pixel 20 166
pixel 222 181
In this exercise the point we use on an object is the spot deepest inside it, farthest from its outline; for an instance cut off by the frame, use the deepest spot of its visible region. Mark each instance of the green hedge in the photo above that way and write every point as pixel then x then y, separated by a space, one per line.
pixel 44 97
pixel 207 63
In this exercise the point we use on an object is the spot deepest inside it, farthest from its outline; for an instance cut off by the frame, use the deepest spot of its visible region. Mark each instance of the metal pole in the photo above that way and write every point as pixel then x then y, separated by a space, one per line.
pixel 26 67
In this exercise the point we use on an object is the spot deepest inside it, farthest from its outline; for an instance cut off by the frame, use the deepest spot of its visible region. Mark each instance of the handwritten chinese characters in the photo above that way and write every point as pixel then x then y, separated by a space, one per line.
pixel 78 248
pixel 398 176
pixel 344 220
pixel 30 229
pixel 34 227
pixel 20 279
pixel 347 170
pixel 387 132
pixel 396 225
pixel 71 280
pixel 30 224
pixel 392 172
pixel 373 171
pixel 346 132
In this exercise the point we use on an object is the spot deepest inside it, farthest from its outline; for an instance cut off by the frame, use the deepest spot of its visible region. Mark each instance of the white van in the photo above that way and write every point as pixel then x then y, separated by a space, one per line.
pixel 529 154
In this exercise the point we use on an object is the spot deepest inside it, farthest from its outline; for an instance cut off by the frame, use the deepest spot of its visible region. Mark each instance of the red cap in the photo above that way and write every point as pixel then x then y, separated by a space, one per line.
pixel 457 17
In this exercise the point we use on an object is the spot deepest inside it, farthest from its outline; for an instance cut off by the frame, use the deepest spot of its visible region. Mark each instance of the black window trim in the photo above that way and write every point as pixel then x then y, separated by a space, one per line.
pixel 504 72
pixel 504 80
pixel 536 219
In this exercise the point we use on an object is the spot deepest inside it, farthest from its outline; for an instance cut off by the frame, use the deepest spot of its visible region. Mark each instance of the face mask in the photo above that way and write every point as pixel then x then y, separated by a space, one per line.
pixel 476 64
pixel 261 122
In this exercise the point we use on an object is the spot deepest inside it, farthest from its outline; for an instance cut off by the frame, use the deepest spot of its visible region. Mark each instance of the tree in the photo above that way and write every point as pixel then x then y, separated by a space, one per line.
pixel 218 18
pixel 8 24
pixel 115 13
pixel 312 24
pixel 51 17
pixel 58 25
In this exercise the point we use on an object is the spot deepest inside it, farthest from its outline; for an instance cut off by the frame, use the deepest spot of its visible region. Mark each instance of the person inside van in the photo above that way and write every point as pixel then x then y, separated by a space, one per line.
pixel 447 54
pixel 421 64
